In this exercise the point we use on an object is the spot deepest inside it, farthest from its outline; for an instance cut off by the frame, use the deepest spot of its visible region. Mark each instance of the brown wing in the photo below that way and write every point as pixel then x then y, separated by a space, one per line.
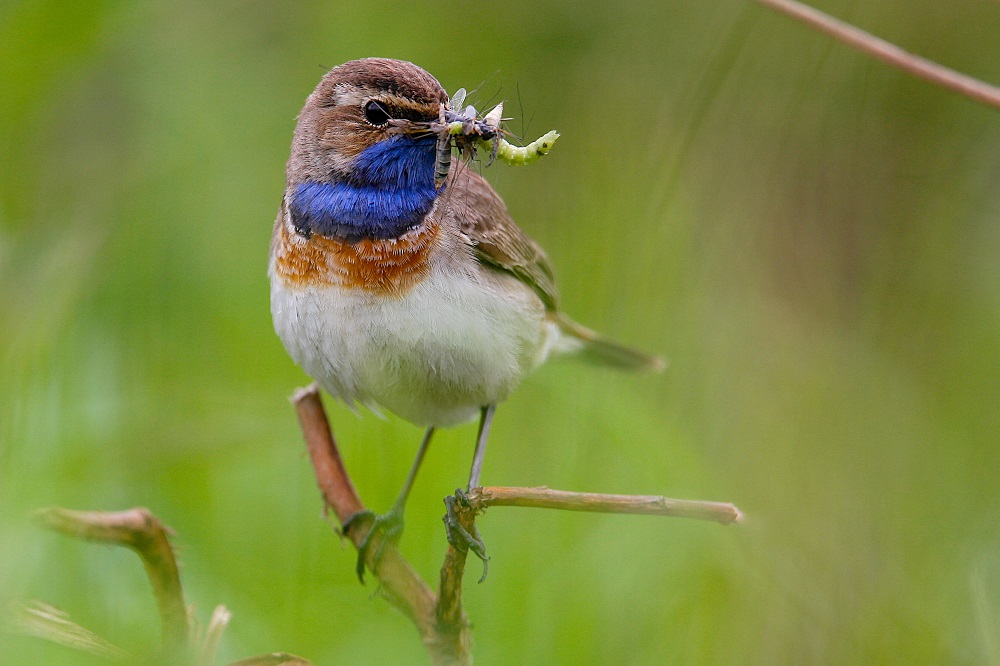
pixel 497 240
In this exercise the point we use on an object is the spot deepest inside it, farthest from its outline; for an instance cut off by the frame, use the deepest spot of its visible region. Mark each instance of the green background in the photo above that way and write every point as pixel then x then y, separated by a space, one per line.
pixel 811 237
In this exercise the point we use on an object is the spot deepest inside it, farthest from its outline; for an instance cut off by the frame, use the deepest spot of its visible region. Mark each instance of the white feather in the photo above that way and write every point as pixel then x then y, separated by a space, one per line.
pixel 462 338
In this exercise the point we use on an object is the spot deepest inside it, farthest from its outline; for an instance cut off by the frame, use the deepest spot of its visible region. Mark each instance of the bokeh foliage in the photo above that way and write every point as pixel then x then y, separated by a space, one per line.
pixel 810 237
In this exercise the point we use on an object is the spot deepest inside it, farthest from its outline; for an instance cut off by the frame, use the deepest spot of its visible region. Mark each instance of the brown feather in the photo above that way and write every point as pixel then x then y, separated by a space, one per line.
pixel 390 267
pixel 496 239
pixel 500 244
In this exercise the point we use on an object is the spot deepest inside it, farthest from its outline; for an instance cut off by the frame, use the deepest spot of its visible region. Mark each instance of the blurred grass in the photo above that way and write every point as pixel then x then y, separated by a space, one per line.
pixel 810 237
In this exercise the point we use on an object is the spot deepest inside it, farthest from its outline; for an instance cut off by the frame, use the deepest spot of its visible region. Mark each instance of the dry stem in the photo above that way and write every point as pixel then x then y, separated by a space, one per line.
pixel 141 531
pixel 889 52
pixel 656 505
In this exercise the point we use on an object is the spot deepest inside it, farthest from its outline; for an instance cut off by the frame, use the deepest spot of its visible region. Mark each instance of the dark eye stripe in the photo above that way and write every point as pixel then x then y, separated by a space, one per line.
pixel 410 113
pixel 379 111
pixel 405 109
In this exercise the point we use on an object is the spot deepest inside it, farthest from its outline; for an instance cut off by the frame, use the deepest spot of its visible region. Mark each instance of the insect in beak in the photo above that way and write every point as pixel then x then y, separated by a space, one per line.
pixel 464 129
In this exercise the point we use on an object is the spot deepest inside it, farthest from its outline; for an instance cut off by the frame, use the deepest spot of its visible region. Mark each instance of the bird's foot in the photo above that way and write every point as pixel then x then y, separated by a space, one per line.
pixel 458 535
pixel 383 529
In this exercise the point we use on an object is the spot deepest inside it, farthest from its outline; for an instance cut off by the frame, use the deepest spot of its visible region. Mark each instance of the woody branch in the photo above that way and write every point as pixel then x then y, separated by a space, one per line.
pixel 439 617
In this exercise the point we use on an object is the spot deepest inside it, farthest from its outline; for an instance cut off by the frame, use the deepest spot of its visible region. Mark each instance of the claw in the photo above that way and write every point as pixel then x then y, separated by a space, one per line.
pixel 388 525
pixel 458 536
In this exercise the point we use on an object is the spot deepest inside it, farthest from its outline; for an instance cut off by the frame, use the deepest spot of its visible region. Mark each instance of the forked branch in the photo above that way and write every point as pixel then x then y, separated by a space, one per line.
pixel 439 617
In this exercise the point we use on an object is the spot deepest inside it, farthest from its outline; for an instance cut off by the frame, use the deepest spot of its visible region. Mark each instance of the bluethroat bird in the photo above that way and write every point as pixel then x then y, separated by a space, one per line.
pixel 400 291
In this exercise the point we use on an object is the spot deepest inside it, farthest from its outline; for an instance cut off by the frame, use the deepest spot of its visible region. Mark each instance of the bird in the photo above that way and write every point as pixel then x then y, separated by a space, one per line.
pixel 397 291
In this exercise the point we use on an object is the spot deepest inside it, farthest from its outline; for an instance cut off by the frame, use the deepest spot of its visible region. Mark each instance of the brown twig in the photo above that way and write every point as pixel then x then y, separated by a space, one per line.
pixel 334 484
pixel 141 531
pixel 450 619
pixel 656 505
pixel 888 52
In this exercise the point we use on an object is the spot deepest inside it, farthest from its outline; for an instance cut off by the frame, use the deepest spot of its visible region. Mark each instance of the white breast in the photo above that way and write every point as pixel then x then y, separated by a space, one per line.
pixel 459 339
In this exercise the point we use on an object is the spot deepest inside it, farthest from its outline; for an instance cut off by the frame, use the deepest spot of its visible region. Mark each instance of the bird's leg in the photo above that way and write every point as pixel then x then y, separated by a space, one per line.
pixel 458 536
pixel 389 525
pixel 484 432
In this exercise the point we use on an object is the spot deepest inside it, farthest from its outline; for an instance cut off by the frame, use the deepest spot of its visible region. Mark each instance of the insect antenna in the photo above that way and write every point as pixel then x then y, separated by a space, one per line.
pixel 489 103
pixel 520 110
pixel 482 84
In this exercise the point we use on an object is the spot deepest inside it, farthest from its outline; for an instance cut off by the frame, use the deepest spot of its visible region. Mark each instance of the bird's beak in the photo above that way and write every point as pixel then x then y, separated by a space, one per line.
pixel 463 125
pixel 467 124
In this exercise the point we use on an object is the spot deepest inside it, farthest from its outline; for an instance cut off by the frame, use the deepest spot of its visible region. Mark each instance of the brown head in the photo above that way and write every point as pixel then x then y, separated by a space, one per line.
pixel 355 106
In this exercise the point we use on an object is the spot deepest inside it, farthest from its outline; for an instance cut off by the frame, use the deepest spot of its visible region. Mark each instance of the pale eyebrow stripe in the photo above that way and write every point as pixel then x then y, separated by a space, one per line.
pixel 349 94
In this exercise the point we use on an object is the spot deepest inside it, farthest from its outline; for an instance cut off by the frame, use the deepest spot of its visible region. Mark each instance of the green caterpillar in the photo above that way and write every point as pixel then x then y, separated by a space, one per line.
pixel 523 155
pixel 506 151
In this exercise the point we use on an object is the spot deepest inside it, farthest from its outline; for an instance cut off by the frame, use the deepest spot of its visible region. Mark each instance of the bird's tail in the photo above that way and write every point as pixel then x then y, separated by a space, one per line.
pixel 592 347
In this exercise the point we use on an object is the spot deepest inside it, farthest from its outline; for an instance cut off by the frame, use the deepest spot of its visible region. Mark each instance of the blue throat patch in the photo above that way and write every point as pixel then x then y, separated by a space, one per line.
pixel 389 191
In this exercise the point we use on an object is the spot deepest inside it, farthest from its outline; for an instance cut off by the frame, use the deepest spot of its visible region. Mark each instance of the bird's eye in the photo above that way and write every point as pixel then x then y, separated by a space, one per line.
pixel 375 113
